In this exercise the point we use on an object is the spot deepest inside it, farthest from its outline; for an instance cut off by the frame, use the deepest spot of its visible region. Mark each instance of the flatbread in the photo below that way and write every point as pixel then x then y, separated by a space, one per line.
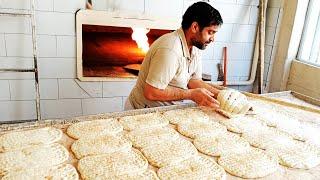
pixel 249 164
pixel 33 157
pixel 169 152
pixel 243 124
pixel 267 138
pixel 220 144
pixel 142 138
pixel 195 129
pixel 142 121
pixel 196 167
pixel 99 145
pixel 296 155
pixel 64 171
pixel 22 139
pixel 186 115
pixel 116 164
pixel 146 175
pixel 270 117
pixel 94 128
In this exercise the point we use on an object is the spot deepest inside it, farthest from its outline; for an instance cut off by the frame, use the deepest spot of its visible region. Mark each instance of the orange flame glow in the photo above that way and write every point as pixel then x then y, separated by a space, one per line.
pixel 140 36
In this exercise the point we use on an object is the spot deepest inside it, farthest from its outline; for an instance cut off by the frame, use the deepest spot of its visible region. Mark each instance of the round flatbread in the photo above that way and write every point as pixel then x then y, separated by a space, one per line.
pixel 196 167
pixel 105 166
pixel 249 164
pixel 195 129
pixel 94 128
pixel 99 145
pixel 143 121
pixel 33 157
pixel 142 138
pixel 22 139
pixel 296 155
pixel 243 124
pixel 267 138
pixel 146 175
pixel 64 171
pixel 186 115
pixel 169 152
pixel 220 144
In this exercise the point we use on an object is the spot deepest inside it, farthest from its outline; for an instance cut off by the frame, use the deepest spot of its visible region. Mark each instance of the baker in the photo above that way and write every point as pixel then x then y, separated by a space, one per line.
pixel 172 70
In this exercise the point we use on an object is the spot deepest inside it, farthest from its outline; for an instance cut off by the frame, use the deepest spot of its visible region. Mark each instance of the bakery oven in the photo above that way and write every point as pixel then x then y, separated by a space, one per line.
pixel 112 46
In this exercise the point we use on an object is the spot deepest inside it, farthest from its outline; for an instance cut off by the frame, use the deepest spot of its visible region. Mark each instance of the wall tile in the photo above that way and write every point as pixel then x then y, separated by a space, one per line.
pixel 62 108
pixel 4 90
pixel 248 2
pixel 14 75
pixel 99 5
pixel 66 46
pixel 10 24
pixel 93 89
pixel 173 9
pixel 16 62
pixel 47 46
pixel 22 89
pixel 48 88
pixel 233 13
pixel 218 50
pixel 55 23
pixel 112 89
pixel 243 33
pixel 239 68
pixel 71 88
pixel 126 5
pixel 44 5
pixel 224 34
pixel 15 4
pixel 101 105
pixel 254 15
pixel 249 51
pixel 236 51
pixel 71 6
pixel 210 67
pixel 68 88
pixel 17 110
pixel 19 45
pixel 2 45
pixel 57 67
pixel 207 54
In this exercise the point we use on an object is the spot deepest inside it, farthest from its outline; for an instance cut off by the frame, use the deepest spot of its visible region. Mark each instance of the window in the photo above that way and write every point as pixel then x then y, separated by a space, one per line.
pixel 309 49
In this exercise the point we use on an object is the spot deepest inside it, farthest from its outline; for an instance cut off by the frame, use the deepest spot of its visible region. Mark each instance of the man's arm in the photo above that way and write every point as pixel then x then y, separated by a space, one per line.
pixel 198 83
pixel 201 96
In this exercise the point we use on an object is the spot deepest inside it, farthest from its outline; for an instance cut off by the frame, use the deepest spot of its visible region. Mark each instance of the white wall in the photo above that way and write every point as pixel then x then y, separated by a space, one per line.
pixel 64 96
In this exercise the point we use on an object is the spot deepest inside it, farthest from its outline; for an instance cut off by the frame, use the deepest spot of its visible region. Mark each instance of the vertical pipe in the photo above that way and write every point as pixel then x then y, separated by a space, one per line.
pixel 35 59
pixel 225 66
pixel 262 12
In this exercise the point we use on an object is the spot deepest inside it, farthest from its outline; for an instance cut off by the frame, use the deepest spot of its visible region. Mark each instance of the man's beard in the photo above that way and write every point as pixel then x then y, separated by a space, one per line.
pixel 200 45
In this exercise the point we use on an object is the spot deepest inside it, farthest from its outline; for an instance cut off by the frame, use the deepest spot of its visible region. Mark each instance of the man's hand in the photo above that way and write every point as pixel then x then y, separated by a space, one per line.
pixel 203 97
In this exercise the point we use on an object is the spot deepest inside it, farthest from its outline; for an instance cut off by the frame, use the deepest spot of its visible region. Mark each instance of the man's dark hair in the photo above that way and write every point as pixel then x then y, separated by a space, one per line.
pixel 202 13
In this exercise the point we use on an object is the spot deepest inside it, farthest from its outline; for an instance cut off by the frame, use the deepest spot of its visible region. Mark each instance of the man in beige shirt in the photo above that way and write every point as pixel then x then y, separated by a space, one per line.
pixel 172 69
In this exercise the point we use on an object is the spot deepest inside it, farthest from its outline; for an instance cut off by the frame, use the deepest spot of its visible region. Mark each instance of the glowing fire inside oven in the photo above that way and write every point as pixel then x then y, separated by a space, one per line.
pixel 140 36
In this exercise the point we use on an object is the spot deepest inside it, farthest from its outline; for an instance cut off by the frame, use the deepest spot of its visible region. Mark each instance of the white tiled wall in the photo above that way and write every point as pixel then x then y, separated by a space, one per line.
pixel 64 96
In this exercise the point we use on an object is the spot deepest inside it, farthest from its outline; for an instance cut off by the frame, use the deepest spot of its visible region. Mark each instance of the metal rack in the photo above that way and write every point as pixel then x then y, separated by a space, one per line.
pixel 31 15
